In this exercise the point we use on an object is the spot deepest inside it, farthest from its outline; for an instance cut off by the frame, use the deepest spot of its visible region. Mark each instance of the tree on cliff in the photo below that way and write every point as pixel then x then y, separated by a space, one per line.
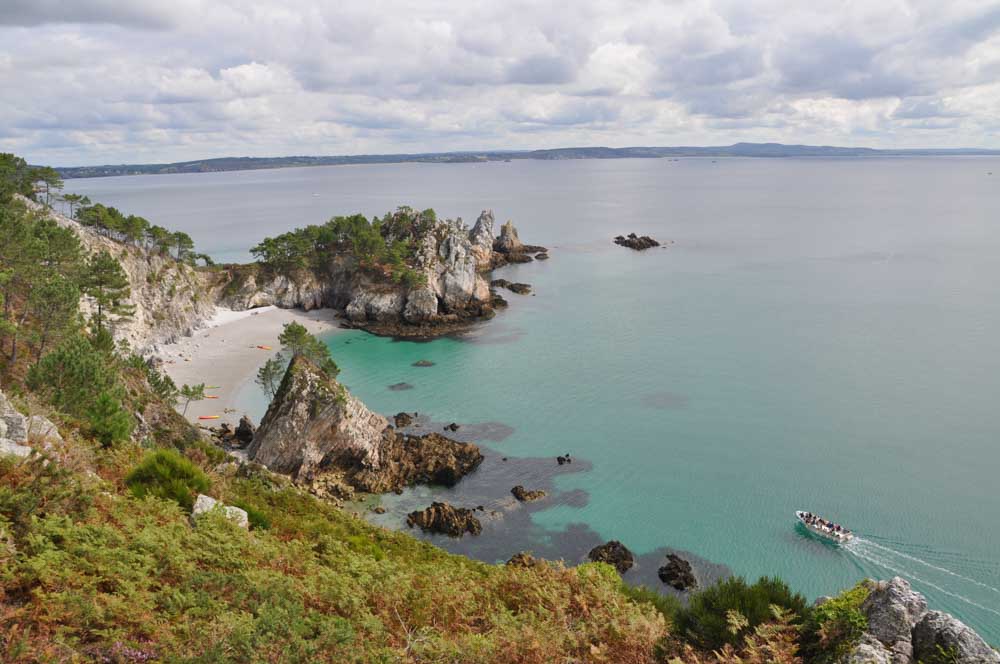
pixel 49 180
pixel 191 393
pixel 269 376
pixel 15 177
pixel 297 340
pixel 106 283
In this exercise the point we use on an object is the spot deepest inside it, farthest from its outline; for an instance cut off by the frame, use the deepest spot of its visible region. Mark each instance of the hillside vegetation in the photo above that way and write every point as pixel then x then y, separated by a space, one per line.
pixel 101 560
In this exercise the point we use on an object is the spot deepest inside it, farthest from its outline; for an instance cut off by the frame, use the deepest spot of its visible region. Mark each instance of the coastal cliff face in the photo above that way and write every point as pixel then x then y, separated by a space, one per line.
pixel 452 261
pixel 902 631
pixel 317 432
pixel 170 298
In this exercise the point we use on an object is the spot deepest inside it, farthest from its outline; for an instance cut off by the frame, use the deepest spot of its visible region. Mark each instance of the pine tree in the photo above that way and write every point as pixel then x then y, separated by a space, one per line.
pixel 109 422
pixel 105 282
pixel 297 340
pixel 191 393
pixel 269 376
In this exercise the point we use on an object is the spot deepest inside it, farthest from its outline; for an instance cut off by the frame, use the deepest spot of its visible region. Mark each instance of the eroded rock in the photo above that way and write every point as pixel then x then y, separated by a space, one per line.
pixel 205 504
pixel 244 431
pixel 613 553
pixel 677 573
pixel 938 633
pixel 445 519
pixel 633 241
pixel 525 496
pixel 314 427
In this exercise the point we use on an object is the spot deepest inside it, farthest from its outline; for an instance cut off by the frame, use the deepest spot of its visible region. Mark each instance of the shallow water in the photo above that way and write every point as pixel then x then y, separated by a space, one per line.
pixel 822 335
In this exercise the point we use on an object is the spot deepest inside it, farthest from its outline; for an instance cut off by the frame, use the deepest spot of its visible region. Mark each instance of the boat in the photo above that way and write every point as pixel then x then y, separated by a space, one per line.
pixel 824 528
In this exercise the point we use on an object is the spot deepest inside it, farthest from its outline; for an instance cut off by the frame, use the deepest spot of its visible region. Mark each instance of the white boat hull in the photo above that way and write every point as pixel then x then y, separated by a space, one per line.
pixel 841 537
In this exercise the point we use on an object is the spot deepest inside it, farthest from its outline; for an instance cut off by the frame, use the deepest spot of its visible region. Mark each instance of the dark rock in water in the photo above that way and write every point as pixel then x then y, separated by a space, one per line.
pixel 245 430
pixel 542 257
pixel 315 430
pixel 563 459
pixel 451 427
pixel 443 518
pixel 613 553
pixel 403 420
pixel 677 573
pixel 632 241
pixel 519 288
pixel 423 363
pixel 498 301
pixel 525 559
pixel 508 248
pixel 378 509
pixel 399 387
pixel 526 496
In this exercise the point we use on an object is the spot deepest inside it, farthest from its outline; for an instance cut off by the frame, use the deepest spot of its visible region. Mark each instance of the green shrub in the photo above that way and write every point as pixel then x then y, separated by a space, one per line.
pixel 258 520
pixel 109 423
pixel 166 474
pixel 835 626
pixel 705 620
pixel 72 373
pixel 668 605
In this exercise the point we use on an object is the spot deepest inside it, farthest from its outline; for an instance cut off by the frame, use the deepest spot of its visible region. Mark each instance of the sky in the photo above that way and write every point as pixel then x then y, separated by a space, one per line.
pixel 137 81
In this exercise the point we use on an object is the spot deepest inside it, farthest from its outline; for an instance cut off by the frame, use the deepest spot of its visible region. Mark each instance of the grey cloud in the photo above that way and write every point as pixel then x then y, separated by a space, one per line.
pixel 133 14
pixel 542 70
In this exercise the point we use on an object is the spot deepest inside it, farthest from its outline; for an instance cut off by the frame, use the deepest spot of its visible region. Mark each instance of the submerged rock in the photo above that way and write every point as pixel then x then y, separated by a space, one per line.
pixel 633 241
pixel 677 573
pixel 423 363
pixel 443 518
pixel 399 387
pixel 315 426
pixel 525 496
pixel 403 420
pixel 613 553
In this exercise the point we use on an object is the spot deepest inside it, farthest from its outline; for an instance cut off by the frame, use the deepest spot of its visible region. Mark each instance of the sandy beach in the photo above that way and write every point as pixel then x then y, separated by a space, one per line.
pixel 225 354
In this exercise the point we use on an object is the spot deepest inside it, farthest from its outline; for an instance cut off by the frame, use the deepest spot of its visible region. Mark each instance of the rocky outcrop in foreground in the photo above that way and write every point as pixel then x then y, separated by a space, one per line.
pixel 677 573
pixel 633 241
pixel 315 428
pixel 902 631
pixel 613 553
pixel 445 519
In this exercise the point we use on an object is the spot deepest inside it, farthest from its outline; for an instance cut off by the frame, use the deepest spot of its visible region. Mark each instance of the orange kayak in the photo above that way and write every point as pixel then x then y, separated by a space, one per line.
pixel 208 417
pixel 264 347
pixel 211 396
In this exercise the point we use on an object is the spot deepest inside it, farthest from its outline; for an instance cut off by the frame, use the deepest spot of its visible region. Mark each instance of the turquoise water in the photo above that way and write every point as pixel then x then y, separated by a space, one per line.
pixel 822 335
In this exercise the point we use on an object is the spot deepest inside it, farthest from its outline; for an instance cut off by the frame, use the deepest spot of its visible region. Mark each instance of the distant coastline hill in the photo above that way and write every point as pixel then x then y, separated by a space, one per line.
pixel 771 150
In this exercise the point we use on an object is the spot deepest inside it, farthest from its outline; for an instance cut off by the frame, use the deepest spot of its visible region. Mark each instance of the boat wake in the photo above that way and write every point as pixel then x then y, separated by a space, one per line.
pixel 915 569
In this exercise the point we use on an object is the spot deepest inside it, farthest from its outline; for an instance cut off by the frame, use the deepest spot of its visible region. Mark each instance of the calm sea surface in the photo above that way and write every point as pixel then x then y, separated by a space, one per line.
pixel 823 334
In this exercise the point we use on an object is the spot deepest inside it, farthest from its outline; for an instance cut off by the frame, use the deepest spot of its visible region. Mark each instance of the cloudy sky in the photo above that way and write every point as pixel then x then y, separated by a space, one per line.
pixel 111 81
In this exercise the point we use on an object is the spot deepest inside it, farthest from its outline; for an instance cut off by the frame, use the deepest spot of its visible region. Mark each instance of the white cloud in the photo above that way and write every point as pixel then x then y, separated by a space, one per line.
pixel 99 81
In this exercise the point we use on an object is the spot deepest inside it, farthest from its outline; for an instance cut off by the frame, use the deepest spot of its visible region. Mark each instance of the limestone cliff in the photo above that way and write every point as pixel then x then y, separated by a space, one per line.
pixel 170 298
pixel 453 260
pixel 902 631
pixel 315 428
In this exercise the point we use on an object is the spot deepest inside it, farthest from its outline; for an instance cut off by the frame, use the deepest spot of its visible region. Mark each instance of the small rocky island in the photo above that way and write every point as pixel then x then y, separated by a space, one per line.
pixel 633 241
pixel 445 519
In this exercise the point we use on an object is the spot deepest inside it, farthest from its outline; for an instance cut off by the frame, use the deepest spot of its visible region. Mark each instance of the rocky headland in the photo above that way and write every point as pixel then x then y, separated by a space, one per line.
pixel 443 288
pixel 318 433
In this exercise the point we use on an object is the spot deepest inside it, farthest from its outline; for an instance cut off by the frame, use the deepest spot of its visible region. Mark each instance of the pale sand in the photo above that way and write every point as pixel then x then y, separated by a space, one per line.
pixel 225 354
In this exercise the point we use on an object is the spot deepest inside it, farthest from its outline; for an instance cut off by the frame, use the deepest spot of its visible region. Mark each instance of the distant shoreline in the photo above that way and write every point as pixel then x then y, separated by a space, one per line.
pixel 760 150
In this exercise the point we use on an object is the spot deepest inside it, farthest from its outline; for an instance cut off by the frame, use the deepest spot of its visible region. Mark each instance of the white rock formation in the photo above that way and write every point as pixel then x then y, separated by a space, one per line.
pixel 204 504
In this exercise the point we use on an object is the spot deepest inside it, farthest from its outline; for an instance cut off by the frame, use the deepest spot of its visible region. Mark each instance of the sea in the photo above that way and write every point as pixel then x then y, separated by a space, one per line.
pixel 818 334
